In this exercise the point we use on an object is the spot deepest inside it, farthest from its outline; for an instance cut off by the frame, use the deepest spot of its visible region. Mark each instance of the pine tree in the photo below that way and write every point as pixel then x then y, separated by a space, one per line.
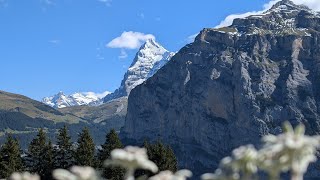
pixel 112 142
pixel 162 155
pixel 48 161
pixel 10 157
pixel 35 154
pixel 84 154
pixel 63 152
pixel 39 156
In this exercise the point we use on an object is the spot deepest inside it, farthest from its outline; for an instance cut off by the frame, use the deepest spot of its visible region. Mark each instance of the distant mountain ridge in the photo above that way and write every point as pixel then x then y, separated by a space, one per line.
pixel 61 100
pixel 148 60
pixel 22 117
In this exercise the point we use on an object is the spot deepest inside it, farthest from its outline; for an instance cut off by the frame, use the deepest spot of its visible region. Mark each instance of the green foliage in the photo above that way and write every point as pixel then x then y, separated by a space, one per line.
pixel 49 160
pixel 84 154
pixel 10 157
pixel 162 155
pixel 112 142
pixel 63 152
pixel 40 155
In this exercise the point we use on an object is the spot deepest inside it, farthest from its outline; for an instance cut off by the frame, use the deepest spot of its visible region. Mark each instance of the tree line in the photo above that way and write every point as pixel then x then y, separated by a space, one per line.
pixel 42 156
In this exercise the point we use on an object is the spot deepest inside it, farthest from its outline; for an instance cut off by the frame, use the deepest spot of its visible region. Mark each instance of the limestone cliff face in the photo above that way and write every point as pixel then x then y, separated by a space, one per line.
pixel 232 86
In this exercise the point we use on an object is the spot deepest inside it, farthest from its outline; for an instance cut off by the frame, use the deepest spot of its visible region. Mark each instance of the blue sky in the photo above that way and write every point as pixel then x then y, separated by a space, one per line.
pixel 52 45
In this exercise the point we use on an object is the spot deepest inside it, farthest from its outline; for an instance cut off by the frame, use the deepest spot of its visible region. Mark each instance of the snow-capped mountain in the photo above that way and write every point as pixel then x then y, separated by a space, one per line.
pixel 61 100
pixel 148 60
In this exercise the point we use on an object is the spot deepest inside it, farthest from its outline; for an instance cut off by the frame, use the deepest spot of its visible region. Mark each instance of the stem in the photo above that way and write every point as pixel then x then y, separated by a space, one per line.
pixel 297 176
pixel 274 176
pixel 129 174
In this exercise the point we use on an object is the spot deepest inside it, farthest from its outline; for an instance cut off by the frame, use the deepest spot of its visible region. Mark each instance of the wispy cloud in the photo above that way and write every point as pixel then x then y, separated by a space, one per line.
pixel 4 3
pixel 312 4
pixel 191 38
pixel 106 2
pixel 141 15
pixel 123 54
pixel 129 40
pixel 47 2
pixel 229 19
pixel 55 41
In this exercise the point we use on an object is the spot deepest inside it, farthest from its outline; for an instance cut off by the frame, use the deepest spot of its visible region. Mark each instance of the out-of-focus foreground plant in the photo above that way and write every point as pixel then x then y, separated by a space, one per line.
pixel 291 151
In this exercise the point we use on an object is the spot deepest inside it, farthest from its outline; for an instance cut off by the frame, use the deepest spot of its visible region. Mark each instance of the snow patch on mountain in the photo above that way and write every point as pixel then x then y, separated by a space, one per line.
pixel 61 100
pixel 148 60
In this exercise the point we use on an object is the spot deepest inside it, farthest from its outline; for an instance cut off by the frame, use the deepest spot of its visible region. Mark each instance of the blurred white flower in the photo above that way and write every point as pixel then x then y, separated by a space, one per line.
pixel 62 174
pixel 168 175
pixel 245 159
pixel 84 173
pixel 291 150
pixel 220 175
pixel 243 162
pixel 24 176
pixel 76 173
pixel 131 158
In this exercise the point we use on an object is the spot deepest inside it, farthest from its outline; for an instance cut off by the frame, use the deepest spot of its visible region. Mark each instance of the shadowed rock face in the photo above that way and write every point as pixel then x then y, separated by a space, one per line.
pixel 232 86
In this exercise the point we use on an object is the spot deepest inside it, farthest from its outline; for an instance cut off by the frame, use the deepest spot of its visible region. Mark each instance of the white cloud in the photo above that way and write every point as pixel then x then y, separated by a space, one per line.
pixel 106 2
pixel 47 2
pixel 123 54
pixel 141 15
pixel 191 38
pixel 130 40
pixel 55 41
pixel 313 4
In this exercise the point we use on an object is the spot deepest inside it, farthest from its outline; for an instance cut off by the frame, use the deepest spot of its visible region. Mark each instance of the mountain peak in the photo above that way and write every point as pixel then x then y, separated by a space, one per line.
pixel 287 5
pixel 60 93
pixel 151 44
pixel 148 60
pixel 60 100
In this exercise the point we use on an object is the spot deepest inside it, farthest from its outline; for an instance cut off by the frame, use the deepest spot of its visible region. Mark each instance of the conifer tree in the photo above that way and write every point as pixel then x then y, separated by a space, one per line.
pixel 10 157
pixel 162 155
pixel 112 142
pixel 48 161
pixel 35 155
pixel 84 154
pixel 63 152
pixel 39 158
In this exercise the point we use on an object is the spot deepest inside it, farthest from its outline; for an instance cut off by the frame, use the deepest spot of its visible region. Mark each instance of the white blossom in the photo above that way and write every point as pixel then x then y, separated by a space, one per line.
pixel 24 176
pixel 76 173
pixel 221 175
pixel 245 159
pixel 243 162
pixel 62 174
pixel 131 158
pixel 168 175
pixel 84 173
pixel 291 150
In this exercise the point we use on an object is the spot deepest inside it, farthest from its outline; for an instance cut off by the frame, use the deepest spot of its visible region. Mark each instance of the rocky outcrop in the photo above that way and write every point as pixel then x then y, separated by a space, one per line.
pixel 232 86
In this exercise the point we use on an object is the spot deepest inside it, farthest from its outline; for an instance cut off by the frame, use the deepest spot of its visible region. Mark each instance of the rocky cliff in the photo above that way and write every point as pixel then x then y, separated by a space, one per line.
pixel 231 86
